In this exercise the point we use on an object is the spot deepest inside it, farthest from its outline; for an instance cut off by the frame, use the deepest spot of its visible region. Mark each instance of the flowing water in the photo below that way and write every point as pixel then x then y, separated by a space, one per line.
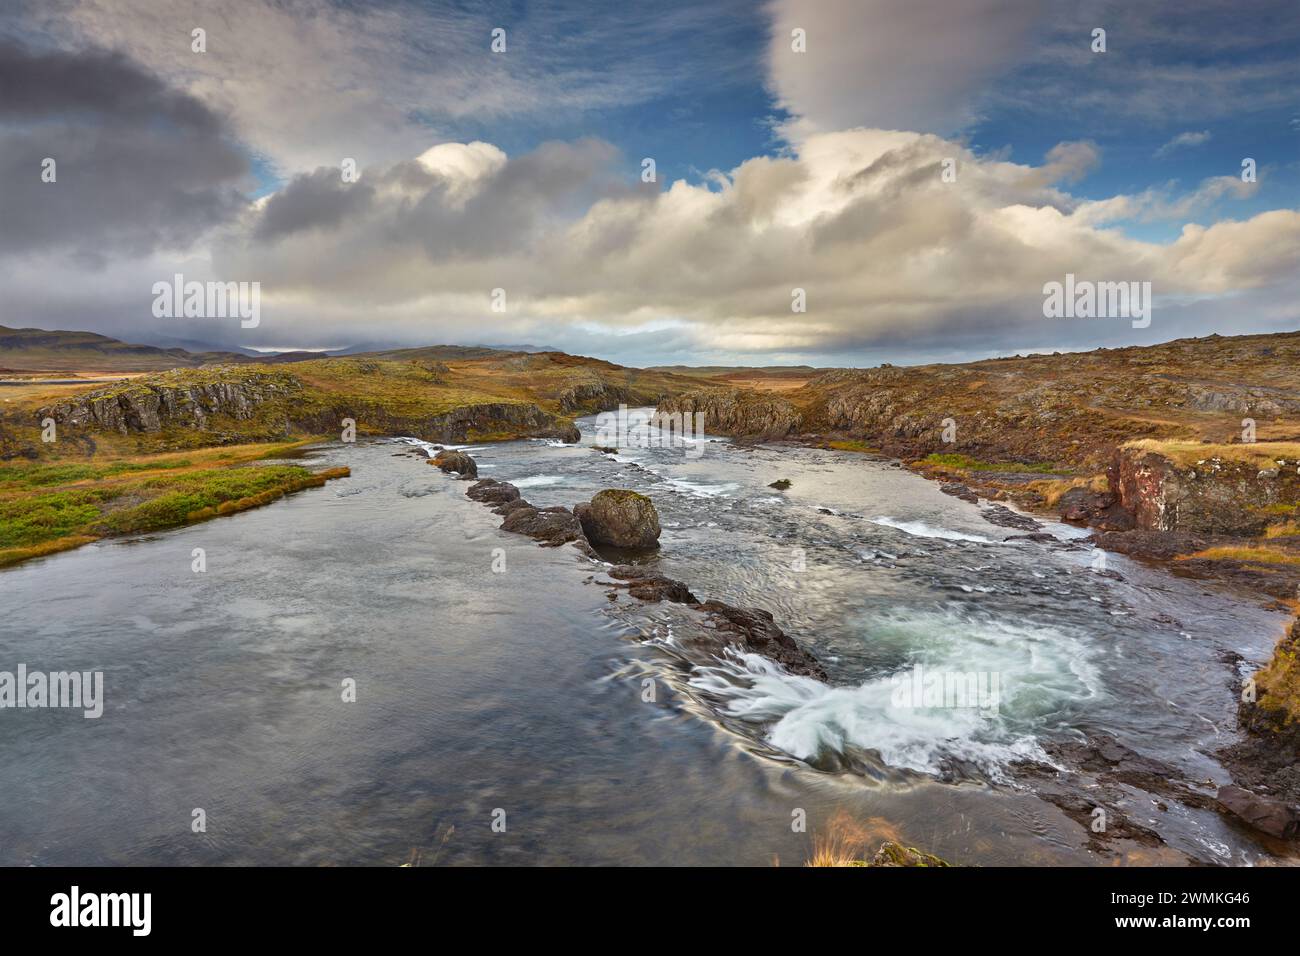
pixel 497 680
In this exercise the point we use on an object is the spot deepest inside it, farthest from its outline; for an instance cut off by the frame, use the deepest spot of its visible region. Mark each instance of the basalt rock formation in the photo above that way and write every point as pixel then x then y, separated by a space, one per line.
pixel 183 398
pixel 735 411
pixel 1214 495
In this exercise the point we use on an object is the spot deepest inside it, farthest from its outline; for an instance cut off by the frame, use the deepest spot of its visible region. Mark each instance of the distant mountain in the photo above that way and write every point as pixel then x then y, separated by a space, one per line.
pixel 39 350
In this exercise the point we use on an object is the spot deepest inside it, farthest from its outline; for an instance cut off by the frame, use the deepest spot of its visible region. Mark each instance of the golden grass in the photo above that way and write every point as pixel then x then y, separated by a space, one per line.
pixel 854 444
pixel 1183 453
pixel 14 555
pixel 1284 530
pixel 1246 555
pixel 1052 489
pixel 848 842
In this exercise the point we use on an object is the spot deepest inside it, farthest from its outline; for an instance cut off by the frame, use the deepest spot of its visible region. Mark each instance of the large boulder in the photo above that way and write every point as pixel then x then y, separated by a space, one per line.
pixel 620 518
pixel 456 462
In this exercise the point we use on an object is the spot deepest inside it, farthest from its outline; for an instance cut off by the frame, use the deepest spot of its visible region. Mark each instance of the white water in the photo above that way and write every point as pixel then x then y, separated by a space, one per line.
pixel 1041 677
pixel 920 529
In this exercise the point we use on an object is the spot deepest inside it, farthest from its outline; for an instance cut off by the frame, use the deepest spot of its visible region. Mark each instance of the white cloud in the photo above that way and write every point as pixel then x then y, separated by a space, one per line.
pixel 860 219
pixel 1191 138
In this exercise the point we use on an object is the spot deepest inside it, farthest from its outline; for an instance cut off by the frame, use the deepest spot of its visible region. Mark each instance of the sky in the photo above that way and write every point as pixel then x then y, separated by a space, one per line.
pixel 836 182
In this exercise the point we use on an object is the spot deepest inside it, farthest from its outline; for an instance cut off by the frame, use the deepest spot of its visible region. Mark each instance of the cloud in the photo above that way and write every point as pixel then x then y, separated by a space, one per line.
pixel 1183 139
pixel 138 164
pixel 1166 62
pixel 864 65
pixel 862 220
pixel 307 83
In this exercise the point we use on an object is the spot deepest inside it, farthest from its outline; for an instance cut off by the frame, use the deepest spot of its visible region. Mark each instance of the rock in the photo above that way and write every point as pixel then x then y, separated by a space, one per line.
pixel 456 462
pixel 184 398
pixel 1151 545
pixel 1217 495
pixel 781 484
pixel 1004 517
pixel 895 854
pixel 736 411
pixel 551 526
pixel 491 491
pixel 1099 509
pixel 755 631
pixel 1039 537
pixel 619 517
pixel 1264 814
pixel 958 490
pixel 606 449
pixel 652 587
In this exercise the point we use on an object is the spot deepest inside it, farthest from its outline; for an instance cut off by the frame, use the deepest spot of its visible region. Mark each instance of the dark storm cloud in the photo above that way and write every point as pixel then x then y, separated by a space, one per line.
pixel 139 165
pixel 315 200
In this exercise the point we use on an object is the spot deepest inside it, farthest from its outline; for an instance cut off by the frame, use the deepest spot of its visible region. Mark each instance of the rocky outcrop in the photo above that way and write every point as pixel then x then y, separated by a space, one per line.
pixel 1215 495
pixel 1099 509
pixel 455 462
pixel 652 587
pixel 1274 817
pixel 229 402
pixel 743 413
pixel 182 398
pixel 619 517
pixel 477 421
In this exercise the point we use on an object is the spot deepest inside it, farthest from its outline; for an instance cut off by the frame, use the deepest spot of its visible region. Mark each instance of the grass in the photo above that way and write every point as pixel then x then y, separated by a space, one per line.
pixel 853 444
pixel 1260 454
pixel 50 507
pixel 1053 489
pixel 966 463
pixel 1278 683
pixel 1247 555
pixel 1284 530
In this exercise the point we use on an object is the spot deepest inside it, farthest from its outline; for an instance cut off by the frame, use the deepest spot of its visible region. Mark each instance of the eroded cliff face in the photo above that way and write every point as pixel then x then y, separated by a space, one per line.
pixel 232 404
pixel 477 421
pixel 742 413
pixel 182 398
pixel 1213 495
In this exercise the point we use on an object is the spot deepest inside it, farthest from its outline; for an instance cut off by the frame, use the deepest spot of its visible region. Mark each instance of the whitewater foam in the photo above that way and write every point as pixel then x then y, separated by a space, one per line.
pixel 920 529
pixel 1043 676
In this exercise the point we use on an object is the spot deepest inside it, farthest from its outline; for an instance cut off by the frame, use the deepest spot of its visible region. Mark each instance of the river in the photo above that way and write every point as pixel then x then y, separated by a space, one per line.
pixel 512 709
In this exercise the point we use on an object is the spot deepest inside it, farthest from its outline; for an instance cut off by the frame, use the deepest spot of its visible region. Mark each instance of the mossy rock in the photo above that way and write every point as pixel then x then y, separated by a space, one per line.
pixel 895 854
pixel 620 517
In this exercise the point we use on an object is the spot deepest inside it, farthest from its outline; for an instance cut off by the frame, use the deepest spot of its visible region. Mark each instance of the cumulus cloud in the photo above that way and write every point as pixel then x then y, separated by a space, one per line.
pixel 138 164
pixel 862 220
